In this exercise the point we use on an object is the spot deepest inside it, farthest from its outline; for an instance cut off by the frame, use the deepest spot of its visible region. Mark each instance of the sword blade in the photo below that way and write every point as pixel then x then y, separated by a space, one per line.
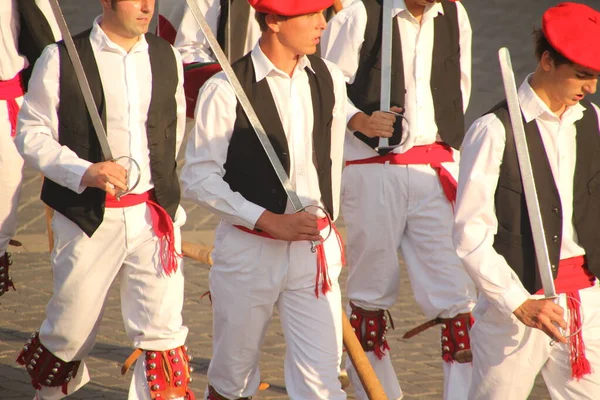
pixel 533 205
pixel 386 63
pixel 82 80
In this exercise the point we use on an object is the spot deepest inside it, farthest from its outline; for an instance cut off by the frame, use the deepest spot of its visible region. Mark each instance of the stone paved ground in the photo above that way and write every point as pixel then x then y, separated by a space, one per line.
pixel 495 23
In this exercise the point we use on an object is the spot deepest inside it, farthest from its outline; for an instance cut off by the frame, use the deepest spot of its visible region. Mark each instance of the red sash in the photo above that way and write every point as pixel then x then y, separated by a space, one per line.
pixel 432 154
pixel 322 269
pixel 573 276
pixel 161 224
pixel 10 90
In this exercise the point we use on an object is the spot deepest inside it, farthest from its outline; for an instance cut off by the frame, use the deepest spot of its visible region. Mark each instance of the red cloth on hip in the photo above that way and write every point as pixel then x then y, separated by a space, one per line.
pixel 322 269
pixel 10 90
pixel 161 224
pixel 573 275
pixel 433 154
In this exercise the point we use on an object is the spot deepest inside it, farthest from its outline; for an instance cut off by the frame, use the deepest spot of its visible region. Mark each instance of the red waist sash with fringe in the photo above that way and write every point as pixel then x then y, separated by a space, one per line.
pixel 322 269
pixel 161 224
pixel 10 90
pixel 573 276
pixel 433 154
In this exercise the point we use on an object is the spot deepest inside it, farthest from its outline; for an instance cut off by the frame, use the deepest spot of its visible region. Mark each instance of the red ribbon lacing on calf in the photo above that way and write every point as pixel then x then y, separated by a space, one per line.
pixel 433 154
pixel 573 275
pixel 322 274
pixel 161 224
pixel 10 90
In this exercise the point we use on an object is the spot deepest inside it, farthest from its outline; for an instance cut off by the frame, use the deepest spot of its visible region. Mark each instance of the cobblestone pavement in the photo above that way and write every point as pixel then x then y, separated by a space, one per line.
pixel 496 23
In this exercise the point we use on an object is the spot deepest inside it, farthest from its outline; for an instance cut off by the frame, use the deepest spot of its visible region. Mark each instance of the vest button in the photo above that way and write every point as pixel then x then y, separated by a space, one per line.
pixel 553 268
pixel 555 210
pixel 555 238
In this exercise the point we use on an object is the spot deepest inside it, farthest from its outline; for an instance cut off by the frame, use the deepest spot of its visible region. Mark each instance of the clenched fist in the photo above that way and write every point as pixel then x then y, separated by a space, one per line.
pixel 107 175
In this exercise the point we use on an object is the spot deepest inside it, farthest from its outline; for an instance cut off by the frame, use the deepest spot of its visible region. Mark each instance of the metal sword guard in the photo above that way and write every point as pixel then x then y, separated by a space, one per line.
pixel 138 176
pixel 313 245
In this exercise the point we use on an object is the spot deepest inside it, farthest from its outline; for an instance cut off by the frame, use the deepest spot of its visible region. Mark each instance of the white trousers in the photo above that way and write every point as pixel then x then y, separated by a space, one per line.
pixel 397 207
pixel 11 174
pixel 83 271
pixel 250 276
pixel 508 356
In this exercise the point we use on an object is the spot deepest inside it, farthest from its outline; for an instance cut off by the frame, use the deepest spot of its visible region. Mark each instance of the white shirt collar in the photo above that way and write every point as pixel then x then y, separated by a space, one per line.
pixel 263 66
pixel 101 41
pixel 533 107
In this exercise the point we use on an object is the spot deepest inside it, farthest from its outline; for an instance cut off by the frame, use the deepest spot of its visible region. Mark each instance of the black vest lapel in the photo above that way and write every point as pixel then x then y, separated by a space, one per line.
pixel 322 108
pixel 445 77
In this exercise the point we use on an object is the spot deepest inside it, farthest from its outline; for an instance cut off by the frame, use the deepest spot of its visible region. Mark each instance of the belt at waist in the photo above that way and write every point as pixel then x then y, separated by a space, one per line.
pixel 433 154
pixel 322 269
pixel 9 91
pixel 573 275
pixel 161 224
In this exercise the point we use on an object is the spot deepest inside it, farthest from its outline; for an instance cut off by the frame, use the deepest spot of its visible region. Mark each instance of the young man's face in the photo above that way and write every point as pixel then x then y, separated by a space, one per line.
pixel 572 82
pixel 302 34
pixel 131 17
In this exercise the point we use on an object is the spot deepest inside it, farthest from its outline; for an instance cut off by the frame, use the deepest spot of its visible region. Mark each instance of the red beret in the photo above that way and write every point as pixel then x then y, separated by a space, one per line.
pixel 573 30
pixel 290 8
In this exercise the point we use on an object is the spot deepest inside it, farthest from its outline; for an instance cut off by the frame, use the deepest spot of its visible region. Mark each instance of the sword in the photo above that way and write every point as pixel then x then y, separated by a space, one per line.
pixel 251 114
pixel 87 95
pixel 531 198
pixel 386 68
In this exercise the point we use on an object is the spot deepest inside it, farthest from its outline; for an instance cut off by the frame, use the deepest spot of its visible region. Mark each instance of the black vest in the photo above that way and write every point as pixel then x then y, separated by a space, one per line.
pixel 248 170
pixel 514 239
pixel 445 74
pixel 34 34
pixel 76 132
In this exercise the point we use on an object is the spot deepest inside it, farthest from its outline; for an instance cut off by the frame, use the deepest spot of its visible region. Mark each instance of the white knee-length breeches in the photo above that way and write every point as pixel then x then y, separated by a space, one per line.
pixel 83 270
pixel 398 207
pixel 11 174
pixel 250 276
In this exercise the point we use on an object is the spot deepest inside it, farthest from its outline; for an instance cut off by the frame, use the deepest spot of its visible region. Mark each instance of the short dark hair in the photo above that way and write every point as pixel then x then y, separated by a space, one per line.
pixel 261 18
pixel 542 45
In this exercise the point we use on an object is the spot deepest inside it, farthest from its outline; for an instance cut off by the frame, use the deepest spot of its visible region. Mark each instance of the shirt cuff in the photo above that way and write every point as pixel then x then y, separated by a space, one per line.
pixel 250 213
pixel 510 300
pixel 351 111
pixel 75 175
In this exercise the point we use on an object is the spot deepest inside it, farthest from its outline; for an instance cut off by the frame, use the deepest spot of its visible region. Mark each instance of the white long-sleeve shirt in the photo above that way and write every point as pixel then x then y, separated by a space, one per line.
pixel 342 41
pixel 475 218
pixel 206 153
pixel 127 84
pixel 11 62
pixel 192 44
